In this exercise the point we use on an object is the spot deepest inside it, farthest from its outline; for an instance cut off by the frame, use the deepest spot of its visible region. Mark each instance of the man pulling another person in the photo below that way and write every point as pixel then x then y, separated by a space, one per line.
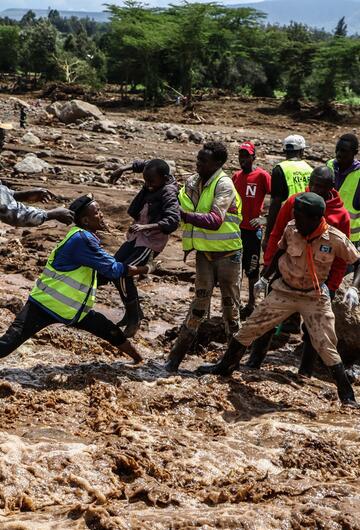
pixel 65 291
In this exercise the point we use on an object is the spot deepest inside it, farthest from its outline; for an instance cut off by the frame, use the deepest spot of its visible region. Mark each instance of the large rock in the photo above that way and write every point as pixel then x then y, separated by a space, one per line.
pixel 32 164
pixel 173 133
pixel 79 110
pixel 30 139
pixel 105 126
pixel 347 325
pixel 54 109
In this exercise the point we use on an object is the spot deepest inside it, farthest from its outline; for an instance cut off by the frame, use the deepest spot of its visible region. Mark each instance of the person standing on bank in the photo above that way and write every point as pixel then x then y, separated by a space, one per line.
pixel 346 169
pixel 252 184
pixel 288 177
pixel 211 217
pixel 306 253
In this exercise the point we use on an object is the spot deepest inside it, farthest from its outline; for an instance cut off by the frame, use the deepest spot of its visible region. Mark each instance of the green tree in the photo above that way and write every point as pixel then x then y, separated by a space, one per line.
pixel 135 44
pixel 334 65
pixel 341 28
pixel 9 48
pixel 39 50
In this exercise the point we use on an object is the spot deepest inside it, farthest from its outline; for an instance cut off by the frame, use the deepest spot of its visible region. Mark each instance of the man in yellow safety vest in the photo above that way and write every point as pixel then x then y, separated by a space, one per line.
pixel 211 217
pixel 347 180
pixel 65 291
pixel 288 177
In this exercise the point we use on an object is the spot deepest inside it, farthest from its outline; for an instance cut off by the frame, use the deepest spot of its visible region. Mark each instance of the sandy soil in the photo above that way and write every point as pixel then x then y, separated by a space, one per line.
pixel 89 442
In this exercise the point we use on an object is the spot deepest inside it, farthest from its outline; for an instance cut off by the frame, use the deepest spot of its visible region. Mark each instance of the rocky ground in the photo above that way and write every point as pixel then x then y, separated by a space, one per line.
pixel 89 442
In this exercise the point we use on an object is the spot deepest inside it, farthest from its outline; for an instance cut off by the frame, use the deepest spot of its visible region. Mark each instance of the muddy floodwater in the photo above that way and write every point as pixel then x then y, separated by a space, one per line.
pixel 88 441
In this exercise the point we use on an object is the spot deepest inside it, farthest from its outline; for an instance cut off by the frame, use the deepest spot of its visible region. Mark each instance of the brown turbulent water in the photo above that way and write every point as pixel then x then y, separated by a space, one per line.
pixel 89 442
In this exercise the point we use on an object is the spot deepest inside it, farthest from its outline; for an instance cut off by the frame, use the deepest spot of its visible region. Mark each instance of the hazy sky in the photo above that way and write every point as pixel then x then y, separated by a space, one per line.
pixel 88 5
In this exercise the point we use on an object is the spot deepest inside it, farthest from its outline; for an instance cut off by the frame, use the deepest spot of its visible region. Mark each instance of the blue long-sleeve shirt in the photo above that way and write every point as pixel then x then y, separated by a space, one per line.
pixel 84 248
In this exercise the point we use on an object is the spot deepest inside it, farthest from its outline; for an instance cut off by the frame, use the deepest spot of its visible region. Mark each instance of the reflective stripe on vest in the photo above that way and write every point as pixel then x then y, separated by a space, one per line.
pixel 297 175
pixel 227 238
pixel 68 294
pixel 347 192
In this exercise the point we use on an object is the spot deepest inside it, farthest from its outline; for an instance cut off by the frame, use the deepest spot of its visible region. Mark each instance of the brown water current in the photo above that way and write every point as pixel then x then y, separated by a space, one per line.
pixel 88 441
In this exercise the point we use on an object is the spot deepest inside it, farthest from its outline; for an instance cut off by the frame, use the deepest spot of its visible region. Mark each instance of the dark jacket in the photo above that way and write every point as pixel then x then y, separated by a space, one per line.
pixel 163 206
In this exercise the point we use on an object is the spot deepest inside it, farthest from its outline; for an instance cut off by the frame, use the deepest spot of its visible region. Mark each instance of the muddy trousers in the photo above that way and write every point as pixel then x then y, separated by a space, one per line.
pixel 316 311
pixel 129 254
pixel 226 273
pixel 32 319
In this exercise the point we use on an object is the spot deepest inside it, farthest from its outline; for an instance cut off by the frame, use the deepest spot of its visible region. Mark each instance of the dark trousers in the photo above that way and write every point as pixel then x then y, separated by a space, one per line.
pixel 32 319
pixel 129 254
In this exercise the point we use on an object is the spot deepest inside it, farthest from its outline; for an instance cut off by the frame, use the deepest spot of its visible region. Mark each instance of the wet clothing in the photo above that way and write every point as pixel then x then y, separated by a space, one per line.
pixel 279 184
pixel 293 264
pixel 162 206
pixel 335 214
pixel 130 254
pixel 17 214
pixel 251 252
pixel 226 273
pixel 32 319
pixel 282 302
pixel 252 188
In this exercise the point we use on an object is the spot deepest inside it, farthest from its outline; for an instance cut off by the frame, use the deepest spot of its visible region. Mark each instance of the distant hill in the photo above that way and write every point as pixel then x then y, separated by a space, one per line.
pixel 317 13
pixel 17 14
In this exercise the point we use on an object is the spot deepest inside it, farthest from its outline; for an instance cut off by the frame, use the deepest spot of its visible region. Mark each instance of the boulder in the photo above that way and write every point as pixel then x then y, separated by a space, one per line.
pixel 79 110
pixel 54 109
pixel 105 126
pixel 173 133
pixel 32 164
pixel 196 137
pixel 30 139
pixel 347 325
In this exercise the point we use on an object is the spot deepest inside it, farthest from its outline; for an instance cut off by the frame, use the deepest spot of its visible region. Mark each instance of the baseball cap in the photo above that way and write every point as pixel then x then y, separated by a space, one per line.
pixel 6 126
pixel 294 142
pixel 310 203
pixel 247 146
pixel 80 203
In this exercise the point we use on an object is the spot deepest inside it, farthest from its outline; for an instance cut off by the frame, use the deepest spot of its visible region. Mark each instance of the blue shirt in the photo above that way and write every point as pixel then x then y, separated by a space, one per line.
pixel 84 248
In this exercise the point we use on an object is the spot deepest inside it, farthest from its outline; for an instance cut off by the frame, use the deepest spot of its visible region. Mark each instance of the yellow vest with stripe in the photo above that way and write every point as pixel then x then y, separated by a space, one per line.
pixel 297 175
pixel 227 238
pixel 347 192
pixel 69 295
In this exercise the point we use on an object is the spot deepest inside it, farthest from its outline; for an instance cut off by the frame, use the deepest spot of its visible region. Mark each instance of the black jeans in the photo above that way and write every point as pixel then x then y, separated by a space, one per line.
pixel 129 254
pixel 32 319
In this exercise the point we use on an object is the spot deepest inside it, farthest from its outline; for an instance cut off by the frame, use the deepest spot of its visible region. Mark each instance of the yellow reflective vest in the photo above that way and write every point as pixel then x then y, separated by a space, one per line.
pixel 297 175
pixel 347 192
pixel 69 295
pixel 227 238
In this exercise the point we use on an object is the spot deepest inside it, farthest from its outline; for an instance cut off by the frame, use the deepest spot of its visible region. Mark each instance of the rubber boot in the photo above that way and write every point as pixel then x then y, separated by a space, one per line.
pixel 134 317
pixel 309 354
pixel 181 347
pixel 344 388
pixel 228 364
pixel 259 350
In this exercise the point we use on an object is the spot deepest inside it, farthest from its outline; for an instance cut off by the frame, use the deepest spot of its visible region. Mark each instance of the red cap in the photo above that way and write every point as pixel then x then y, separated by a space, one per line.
pixel 247 146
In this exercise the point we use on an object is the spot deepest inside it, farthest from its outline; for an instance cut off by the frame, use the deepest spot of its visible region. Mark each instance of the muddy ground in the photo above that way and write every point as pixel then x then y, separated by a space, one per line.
pixel 89 442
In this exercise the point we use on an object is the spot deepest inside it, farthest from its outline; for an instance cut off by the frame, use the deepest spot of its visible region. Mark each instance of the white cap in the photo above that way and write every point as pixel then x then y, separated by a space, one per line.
pixel 294 142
